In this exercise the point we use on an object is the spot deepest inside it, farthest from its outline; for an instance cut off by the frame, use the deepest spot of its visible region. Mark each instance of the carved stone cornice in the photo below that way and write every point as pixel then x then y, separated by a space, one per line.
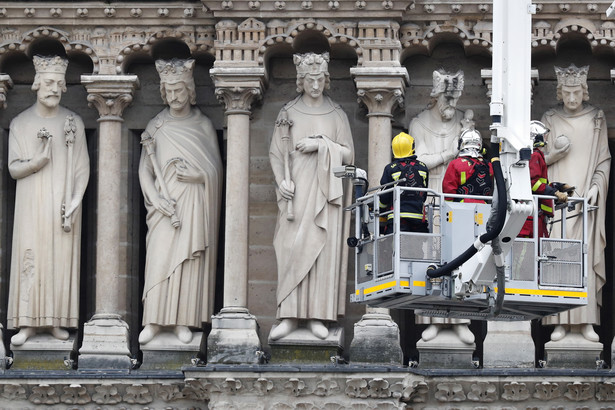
pixel 5 84
pixel 348 388
pixel 381 89
pixel 238 88
pixel 280 9
pixel 110 94
pixel 102 13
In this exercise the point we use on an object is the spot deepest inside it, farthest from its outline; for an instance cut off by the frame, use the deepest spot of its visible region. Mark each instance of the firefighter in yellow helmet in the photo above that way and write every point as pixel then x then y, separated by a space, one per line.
pixel 414 174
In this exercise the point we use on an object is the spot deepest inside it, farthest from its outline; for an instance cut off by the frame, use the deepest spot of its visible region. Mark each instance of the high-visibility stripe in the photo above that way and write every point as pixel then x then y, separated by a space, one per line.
pixel 382 286
pixel 536 186
pixel 424 175
pixel 381 205
pixel 411 215
pixel 396 175
pixel 545 292
pixel 463 177
pixel 546 208
pixel 419 283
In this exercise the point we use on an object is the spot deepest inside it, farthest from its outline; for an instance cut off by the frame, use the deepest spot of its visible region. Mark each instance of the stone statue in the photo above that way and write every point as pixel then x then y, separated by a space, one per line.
pixel 436 131
pixel 437 128
pixel 181 177
pixel 578 154
pixel 48 157
pixel 312 136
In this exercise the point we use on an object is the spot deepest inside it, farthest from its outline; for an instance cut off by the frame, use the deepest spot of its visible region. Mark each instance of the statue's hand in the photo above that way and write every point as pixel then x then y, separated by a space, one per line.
pixel 74 204
pixel 309 144
pixel 287 189
pixel 163 206
pixel 558 150
pixel 190 175
pixel 592 195
pixel 43 155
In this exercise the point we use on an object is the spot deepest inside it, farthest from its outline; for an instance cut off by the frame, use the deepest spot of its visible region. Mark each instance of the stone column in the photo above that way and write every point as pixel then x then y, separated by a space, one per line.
pixel 234 335
pixel 381 89
pixel 502 335
pixel 105 335
pixel 5 84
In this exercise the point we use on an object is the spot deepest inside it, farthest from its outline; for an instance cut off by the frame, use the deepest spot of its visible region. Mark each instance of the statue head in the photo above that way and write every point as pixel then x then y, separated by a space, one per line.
pixel 447 88
pixel 312 66
pixel 50 79
pixel 177 75
pixel 572 86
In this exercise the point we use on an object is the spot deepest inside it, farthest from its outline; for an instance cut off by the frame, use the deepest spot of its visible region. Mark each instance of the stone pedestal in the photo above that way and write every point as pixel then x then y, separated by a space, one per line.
pixel 44 352
pixel 445 351
pixel 233 338
pixel 376 340
pixel 573 352
pixel 508 344
pixel 105 344
pixel 166 352
pixel 302 347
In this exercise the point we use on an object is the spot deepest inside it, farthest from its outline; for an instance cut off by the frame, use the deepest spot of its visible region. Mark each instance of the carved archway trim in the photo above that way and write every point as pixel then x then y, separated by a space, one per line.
pixel 22 42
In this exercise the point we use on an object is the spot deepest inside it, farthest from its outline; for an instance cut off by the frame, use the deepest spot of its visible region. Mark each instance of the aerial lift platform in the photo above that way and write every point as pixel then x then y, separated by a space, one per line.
pixel 543 276
pixel 472 264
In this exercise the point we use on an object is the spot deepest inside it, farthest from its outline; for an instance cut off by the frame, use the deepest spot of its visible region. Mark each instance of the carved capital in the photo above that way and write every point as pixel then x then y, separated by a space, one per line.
pixel 381 102
pixel 110 94
pixel 381 89
pixel 5 84
pixel 238 99
pixel 238 88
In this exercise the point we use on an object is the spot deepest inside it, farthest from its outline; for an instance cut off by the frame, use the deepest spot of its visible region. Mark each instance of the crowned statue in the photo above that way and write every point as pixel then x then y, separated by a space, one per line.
pixel 578 153
pixel 436 131
pixel 180 172
pixel 311 137
pixel 48 157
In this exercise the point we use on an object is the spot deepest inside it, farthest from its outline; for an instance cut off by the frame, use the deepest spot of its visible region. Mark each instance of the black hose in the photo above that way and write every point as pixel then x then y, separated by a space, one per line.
pixel 446 269
pixel 502 203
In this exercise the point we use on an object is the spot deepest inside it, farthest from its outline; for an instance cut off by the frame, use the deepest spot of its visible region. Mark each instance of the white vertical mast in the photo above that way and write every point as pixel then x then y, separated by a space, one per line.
pixel 511 93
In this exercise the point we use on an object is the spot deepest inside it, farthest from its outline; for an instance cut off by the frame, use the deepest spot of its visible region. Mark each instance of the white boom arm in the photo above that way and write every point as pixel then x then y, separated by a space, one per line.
pixel 510 113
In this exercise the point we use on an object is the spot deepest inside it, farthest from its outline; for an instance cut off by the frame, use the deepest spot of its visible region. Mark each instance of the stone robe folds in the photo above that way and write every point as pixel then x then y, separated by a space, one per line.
pixel 310 250
pixel 432 140
pixel 587 163
pixel 180 265
pixel 45 260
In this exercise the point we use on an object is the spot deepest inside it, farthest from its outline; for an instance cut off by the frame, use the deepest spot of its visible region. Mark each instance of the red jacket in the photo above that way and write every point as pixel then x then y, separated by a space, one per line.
pixel 540 186
pixel 458 178
pixel 540 181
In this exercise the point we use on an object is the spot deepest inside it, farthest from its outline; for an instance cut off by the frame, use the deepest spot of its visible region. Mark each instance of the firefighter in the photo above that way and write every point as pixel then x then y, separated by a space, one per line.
pixel 540 184
pixel 469 173
pixel 405 166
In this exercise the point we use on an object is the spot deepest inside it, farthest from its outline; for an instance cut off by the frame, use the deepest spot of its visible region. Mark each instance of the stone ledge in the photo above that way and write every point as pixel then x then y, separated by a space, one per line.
pixel 346 385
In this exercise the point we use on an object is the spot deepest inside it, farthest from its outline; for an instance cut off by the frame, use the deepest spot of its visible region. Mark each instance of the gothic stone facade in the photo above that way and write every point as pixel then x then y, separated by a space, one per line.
pixel 382 57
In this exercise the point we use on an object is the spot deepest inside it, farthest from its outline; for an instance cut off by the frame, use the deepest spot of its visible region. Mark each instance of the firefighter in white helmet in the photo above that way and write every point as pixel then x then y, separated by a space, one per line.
pixel 469 173
pixel 540 184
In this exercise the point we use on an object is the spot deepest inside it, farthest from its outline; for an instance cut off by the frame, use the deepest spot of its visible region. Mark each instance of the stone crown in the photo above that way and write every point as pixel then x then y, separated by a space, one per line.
pixel 175 70
pixel 447 82
pixel 54 64
pixel 311 63
pixel 572 75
